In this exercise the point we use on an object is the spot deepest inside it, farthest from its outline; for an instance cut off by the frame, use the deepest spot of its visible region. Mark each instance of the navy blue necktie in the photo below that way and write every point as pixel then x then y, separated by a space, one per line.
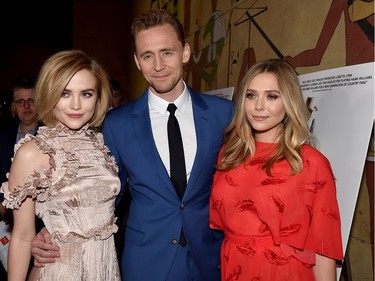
pixel 177 158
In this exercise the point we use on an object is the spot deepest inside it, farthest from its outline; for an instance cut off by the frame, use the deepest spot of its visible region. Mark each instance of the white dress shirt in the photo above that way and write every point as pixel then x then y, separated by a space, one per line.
pixel 184 114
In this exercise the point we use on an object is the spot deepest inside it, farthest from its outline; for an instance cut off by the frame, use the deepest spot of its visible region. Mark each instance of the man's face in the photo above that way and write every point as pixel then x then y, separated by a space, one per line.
pixel 160 56
pixel 26 112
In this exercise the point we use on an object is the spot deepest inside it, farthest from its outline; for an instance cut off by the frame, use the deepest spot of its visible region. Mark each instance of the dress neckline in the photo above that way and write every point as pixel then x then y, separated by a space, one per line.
pixel 64 131
pixel 265 144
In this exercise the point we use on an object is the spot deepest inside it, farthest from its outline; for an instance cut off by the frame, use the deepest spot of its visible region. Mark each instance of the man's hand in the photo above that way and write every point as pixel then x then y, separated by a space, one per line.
pixel 43 250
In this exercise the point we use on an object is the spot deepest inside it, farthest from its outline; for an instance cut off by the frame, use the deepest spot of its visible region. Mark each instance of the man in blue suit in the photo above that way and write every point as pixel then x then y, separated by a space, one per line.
pixel 159 220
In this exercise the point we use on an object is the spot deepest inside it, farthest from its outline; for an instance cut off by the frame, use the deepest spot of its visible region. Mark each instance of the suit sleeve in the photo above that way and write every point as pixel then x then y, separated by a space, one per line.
pixel 111 143
pixel 216 201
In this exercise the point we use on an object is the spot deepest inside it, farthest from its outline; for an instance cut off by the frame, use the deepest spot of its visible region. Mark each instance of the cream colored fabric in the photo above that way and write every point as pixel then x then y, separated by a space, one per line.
pixel 75 198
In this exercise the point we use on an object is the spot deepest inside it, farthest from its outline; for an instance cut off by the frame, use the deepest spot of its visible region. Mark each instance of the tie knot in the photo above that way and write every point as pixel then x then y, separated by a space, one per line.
pixel 171 108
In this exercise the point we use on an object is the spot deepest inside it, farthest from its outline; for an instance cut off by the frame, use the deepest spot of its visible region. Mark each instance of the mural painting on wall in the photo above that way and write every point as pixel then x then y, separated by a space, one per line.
pixel 227 37
pixel 169 5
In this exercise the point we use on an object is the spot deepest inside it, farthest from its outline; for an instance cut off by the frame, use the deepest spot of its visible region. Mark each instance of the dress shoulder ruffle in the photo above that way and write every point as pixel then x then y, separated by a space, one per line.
pixel 35 184
pixel 64 166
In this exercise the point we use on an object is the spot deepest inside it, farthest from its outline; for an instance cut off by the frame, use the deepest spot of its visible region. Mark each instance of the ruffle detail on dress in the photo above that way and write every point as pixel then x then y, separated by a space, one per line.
pixel 40 183
pixel 68 169
pixel 61 131
pixel 35 184
pixel 305 256
pixel 97 234
pixel 109 158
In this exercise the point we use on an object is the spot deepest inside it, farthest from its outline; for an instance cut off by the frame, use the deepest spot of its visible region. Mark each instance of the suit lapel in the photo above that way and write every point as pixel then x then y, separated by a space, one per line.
pixel 202 129
pixel 143 132
pixel 142 127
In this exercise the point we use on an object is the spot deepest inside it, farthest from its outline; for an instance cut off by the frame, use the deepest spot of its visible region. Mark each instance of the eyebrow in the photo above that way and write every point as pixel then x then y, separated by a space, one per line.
pixel 83 90
pixel 267 91
pixel 157 51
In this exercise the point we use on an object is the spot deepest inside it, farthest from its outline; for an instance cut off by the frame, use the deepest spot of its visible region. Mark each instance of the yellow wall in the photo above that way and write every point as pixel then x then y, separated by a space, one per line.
pixel 279 29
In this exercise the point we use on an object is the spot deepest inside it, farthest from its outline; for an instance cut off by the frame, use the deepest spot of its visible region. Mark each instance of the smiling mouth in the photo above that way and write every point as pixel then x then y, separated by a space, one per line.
pixel 161 77
pixel 75 116
pixel 259 118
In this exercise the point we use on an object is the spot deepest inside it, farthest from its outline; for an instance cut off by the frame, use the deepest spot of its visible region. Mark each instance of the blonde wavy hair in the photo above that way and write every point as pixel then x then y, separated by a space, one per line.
pixel 55 75
pixel 239 135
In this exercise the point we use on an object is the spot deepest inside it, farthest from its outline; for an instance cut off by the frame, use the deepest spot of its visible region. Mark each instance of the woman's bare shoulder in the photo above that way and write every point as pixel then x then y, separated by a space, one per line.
pixel 29 157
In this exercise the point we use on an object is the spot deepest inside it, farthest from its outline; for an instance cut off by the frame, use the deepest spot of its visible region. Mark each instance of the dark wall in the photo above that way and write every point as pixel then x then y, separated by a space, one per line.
pixel 30 31
pixel 102 29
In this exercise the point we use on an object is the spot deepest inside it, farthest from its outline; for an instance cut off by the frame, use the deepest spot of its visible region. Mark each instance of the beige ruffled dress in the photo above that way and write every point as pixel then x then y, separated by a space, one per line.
pixel 75 198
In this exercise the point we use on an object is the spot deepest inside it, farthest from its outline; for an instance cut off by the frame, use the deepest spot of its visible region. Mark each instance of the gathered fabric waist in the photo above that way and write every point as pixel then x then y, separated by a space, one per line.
pixel 259 241
pixel 254 242
pixel 96 234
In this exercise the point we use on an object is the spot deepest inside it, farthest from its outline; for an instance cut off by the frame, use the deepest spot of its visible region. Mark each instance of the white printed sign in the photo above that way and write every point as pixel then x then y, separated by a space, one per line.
pixel 341 101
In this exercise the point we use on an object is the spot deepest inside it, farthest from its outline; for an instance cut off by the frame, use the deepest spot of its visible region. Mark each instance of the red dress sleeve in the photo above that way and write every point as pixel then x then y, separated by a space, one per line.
pixel 324 233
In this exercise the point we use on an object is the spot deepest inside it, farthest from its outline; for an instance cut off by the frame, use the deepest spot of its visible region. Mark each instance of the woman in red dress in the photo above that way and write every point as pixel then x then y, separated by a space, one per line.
pixel 274 195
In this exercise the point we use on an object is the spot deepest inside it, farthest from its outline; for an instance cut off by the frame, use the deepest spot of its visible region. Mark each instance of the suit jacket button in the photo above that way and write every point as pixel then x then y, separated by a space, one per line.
pixel 182 206
pixel 174 242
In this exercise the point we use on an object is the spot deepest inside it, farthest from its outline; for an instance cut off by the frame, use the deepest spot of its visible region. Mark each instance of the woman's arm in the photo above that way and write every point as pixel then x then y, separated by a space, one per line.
pixel 324 269
pixel 23 218
pixel 20 243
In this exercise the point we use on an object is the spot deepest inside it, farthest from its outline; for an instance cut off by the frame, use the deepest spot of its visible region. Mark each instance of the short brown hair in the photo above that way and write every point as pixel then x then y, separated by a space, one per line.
pixel 154 18
pixel 55 75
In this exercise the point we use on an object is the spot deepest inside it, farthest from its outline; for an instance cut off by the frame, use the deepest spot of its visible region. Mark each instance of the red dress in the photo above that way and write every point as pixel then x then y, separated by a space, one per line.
pixel 273 226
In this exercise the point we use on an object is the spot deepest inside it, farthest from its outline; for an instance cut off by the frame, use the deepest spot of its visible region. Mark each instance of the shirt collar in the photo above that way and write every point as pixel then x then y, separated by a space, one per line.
pixel 160 105
pixel 20 135
pixel 32 131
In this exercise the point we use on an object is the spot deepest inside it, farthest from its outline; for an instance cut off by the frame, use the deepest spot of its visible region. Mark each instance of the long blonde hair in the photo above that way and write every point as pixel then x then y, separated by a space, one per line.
pixel 239 135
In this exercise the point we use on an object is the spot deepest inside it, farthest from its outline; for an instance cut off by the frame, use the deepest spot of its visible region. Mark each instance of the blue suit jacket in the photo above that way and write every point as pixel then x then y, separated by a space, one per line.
pixel 156 213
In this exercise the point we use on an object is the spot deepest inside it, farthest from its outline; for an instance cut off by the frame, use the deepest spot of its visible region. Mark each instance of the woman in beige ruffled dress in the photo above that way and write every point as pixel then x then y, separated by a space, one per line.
pixel 66 176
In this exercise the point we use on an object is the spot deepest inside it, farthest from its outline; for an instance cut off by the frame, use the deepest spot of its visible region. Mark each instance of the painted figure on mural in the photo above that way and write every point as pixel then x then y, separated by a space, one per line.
pixel 169 5
pixel 358 18
pixel 359 34
pixel 204 62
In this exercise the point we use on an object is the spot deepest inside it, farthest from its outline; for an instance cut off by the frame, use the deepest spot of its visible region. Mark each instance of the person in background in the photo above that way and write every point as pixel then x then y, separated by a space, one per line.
pixel 70 180
pixel 167 236
pixel 118 94
pixel 23 109
pixel 23 112
pixel 274 195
